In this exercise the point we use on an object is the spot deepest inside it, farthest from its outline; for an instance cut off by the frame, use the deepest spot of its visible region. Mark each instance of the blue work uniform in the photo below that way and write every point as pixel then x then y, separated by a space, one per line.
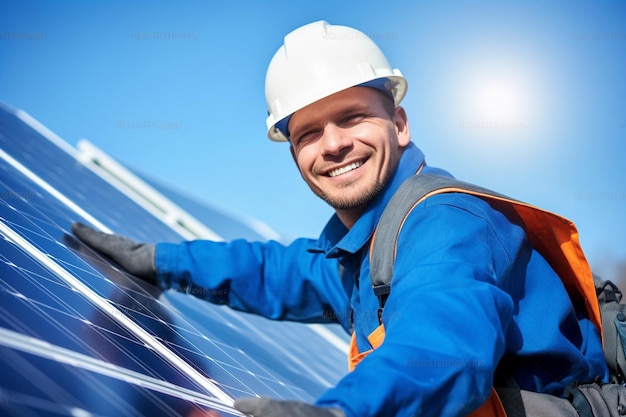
pixel 468 294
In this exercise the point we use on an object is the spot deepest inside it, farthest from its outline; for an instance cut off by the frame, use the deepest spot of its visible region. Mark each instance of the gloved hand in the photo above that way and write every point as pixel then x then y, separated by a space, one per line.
pixel 136 258
pixel 266 407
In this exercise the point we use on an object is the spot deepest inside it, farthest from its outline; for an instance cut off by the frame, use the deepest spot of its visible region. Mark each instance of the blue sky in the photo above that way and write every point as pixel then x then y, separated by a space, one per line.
pixel 528 98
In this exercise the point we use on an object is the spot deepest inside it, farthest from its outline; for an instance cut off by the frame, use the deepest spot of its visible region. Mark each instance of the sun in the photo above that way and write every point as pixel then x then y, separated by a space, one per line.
pixel 496 100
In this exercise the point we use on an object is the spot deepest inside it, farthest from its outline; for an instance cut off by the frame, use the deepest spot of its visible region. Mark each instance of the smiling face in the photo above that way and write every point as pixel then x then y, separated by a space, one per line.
pixel 347 147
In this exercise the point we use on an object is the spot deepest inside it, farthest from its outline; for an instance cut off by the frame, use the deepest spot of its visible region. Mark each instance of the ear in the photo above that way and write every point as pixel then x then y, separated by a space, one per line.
pixel 402 127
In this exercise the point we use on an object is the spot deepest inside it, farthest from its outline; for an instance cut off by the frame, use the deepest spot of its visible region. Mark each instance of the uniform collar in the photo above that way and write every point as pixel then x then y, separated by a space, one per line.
pixel 336 238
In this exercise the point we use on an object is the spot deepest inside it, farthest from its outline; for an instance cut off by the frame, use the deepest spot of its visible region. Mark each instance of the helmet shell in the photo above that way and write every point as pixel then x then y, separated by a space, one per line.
pixel 318 60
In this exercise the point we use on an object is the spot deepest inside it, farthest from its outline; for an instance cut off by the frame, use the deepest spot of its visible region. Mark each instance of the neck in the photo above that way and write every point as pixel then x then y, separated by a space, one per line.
pixel 349 217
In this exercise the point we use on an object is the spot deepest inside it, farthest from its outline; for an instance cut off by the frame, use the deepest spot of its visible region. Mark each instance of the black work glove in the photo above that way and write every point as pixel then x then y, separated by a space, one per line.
pixel 266 407
pixel 136 258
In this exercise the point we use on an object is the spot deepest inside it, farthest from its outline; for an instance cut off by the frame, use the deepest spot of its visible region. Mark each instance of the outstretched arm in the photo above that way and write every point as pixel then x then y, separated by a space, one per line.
pixel 266 278
pixel 282 282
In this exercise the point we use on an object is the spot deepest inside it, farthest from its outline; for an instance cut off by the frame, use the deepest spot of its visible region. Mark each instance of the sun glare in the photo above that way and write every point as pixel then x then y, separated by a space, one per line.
pixel 495 98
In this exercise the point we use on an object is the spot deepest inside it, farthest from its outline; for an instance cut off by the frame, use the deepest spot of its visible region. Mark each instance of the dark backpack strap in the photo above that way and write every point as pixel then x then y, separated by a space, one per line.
pixel 614 326
pixel 409 194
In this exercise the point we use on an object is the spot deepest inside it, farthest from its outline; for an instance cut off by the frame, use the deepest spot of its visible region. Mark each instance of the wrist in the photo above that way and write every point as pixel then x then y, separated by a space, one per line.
pixel 166 261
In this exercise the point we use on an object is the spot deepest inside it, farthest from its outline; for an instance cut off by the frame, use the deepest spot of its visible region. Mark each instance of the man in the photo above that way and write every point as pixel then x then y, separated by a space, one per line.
pixel 470 298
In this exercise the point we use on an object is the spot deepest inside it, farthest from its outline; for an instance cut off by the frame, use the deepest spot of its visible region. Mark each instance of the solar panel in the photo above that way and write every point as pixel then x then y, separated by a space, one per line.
pixel 80 337
pixel 221 223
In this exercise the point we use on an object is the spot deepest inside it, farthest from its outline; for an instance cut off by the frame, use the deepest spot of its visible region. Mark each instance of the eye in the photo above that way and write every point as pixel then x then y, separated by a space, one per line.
pixel 305 137
pixel 353 118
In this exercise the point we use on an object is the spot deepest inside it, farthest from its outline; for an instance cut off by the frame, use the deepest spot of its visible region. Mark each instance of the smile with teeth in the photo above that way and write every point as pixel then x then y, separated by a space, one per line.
pixel 343 170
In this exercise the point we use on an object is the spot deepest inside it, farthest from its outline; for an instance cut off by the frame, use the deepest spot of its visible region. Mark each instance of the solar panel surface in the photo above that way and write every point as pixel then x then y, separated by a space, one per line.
pixel 80 337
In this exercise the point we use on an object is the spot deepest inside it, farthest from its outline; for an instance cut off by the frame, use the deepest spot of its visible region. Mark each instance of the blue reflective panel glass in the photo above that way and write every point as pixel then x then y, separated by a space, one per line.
pixel 225 225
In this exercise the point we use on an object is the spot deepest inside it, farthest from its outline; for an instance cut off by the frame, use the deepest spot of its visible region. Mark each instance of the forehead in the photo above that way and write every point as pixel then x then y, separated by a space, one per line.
pixel 353 98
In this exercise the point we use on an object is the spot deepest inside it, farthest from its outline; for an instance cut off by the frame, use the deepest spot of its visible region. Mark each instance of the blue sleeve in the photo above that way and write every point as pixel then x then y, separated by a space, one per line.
pixel 266 278
pixel 445 319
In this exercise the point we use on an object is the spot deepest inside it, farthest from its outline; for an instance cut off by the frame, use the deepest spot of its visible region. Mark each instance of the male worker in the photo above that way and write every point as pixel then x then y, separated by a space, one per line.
pixel 470 297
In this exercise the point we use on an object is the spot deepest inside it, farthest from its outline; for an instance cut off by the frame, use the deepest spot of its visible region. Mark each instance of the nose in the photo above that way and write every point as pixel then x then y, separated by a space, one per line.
pixel 335 140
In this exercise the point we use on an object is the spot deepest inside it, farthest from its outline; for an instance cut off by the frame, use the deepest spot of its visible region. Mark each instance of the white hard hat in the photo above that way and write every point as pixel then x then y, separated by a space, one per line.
pixel 318 60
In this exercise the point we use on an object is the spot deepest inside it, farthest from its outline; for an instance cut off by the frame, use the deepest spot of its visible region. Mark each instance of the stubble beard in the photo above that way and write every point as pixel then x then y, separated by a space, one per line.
pixel 354 199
